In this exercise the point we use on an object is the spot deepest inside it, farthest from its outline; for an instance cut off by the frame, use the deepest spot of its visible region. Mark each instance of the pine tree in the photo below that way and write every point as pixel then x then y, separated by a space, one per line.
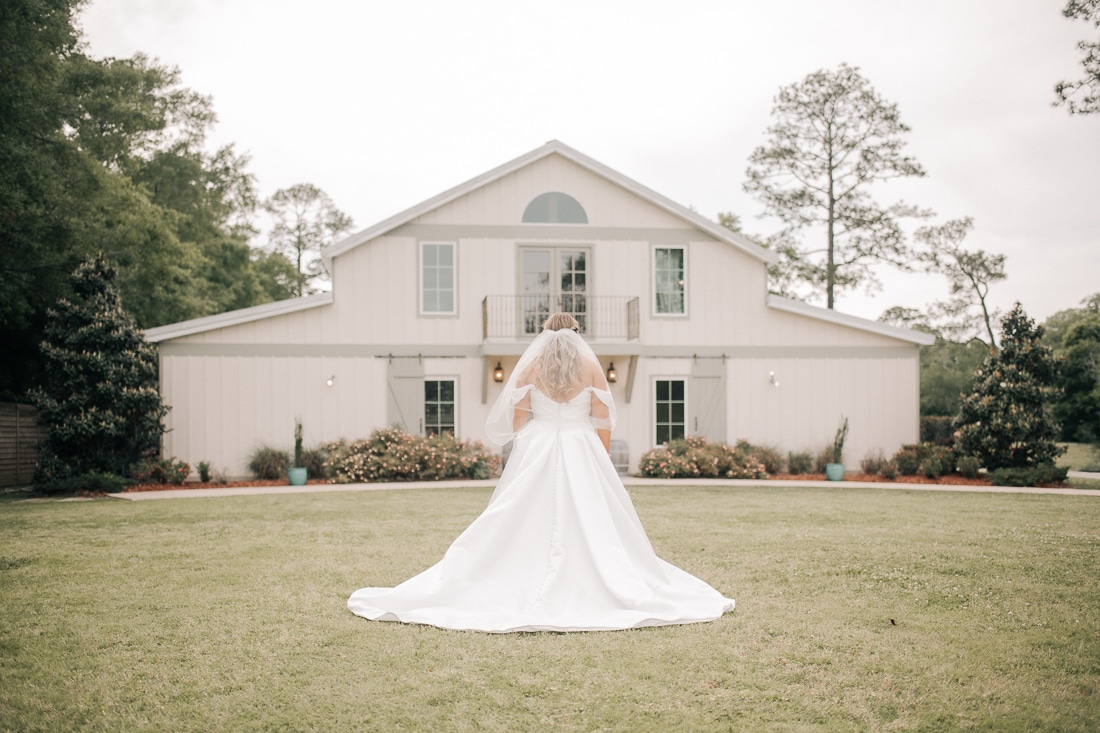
pixel 99 402
pixel 1005 422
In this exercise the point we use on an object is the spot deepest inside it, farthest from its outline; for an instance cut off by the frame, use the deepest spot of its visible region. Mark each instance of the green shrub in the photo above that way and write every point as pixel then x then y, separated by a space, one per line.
pixel 768 456
pixel 936 429
pixel 873 462
pixel 799 463
pixel 697 457
pixel 315 462
pixel 153 470
pixel 269 463
pixel 93 482
pixel 890 470
pixel 917 458
pixel 391 454
pixel 823 458
pixel 968 466
pixel 204 471
pixel 932 467
pixel 1043 475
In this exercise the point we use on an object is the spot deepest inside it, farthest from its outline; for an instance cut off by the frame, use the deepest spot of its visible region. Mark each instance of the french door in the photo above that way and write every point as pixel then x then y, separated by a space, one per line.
pixel 553 280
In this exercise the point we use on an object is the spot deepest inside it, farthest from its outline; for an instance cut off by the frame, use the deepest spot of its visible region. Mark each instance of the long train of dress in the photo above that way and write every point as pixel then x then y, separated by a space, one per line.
pixel 558 548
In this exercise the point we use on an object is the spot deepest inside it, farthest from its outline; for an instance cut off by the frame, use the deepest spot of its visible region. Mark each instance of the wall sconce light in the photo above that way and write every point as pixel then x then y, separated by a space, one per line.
pixel 772 379
pixel 330 381
pixel 612 375
pixel 498 373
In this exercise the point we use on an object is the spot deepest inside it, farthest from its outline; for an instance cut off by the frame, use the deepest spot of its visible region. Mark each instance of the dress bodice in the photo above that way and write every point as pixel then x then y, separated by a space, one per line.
pixel 574 411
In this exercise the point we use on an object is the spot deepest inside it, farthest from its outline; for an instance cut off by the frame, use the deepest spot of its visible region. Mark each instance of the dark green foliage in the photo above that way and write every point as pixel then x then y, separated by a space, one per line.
pixel 1005 422
pixel 269 463
pixel 968 466
pixel 890 470
pixel 391 454
pixel 1077 407
pixel 315 461
pixel 1043 475
pixel 947 373
pixel 697 457
pixel 823 458
pixel 204 471
pixel 93 482
pixel 298 444
pixel 99 402
pixel 923 459
pixel 799 463
pixel 937 429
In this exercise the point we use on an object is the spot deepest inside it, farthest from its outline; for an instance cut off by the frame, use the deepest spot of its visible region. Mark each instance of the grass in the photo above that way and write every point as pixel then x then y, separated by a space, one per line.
pixel 857 610
pixel 1080 457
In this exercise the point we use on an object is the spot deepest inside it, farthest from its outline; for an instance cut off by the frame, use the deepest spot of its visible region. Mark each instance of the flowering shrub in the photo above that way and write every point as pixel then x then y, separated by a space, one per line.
pixel 699 458
pixel 153 470
pixel 391 454
pixel 924 458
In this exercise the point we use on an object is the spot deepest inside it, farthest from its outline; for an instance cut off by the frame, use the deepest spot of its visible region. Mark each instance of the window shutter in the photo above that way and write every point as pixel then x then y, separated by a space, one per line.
pixel 708 399
pixel 405 394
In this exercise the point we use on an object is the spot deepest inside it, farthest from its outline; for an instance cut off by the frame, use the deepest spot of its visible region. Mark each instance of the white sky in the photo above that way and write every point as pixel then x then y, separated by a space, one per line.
pixel 385 104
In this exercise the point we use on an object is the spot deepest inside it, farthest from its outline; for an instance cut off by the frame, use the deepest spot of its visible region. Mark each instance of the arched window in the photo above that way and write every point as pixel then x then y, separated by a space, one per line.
pixel 554 208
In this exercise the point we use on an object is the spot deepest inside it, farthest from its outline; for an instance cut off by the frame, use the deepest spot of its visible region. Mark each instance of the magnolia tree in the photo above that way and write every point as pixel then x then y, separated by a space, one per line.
pixel 99 402
pixel 1005 422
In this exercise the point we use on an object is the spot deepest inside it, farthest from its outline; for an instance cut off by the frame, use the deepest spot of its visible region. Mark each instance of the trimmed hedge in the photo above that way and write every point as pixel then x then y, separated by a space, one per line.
pixel 699 458
pixel 391 454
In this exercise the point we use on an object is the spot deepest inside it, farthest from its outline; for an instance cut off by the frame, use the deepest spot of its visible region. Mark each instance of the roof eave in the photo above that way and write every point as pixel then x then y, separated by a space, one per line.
pixel 237 317
pixel 843 319
pixel 715 230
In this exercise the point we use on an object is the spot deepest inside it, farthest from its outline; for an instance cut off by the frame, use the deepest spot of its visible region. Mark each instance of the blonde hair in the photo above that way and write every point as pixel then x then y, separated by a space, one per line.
pixel 559 371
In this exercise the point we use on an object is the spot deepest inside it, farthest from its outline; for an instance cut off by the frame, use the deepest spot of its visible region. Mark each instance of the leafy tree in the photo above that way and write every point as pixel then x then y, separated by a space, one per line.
pixel 306 220
pixel 947 367
pixel 100 402
pixel 832 139
pixel 966 313
pixel 1089 86
pixel 1005 422
pixel 1056 326
pixel 1078 408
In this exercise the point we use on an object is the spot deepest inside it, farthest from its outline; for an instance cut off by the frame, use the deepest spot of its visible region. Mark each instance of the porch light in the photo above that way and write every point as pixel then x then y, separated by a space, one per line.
pixel 330 381
pixel 772 379
pixel 612 375
pixel 498 373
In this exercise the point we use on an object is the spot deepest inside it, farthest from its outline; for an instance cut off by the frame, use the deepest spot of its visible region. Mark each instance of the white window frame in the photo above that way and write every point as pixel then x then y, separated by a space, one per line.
pixel 653 280
pixel 454 280
pixel 439 378
pixel 653 403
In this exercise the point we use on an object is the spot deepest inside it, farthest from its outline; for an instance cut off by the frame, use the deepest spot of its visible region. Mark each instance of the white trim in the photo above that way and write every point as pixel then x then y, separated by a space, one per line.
pixel 454 279
pixel 714 229
pixel 653 280
pixel 843 319
pixel 237 317
pixel 653 405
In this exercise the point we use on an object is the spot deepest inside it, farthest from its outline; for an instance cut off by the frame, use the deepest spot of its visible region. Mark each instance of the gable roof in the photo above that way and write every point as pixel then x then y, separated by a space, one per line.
pixel 843 319
pixel 237 317
pixel 555 147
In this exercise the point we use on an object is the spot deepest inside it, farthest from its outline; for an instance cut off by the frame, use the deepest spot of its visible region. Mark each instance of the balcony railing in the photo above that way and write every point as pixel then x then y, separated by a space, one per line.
pixel 519 317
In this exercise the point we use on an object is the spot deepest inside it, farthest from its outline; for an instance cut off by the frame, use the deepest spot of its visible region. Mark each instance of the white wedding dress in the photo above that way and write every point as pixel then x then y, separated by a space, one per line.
pixel 559 548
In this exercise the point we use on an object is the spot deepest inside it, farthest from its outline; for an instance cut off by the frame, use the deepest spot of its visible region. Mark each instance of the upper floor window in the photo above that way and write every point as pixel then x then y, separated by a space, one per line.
pixel 669 288
pixel 437 277
pixel 554 208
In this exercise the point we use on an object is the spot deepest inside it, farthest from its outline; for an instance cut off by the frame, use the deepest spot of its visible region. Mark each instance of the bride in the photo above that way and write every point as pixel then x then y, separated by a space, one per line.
pixel 559 547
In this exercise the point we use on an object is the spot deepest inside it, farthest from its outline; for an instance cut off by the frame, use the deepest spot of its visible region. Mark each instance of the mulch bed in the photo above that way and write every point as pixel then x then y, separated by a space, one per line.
pixel 949 480
pixel 212 485
pixel 953 480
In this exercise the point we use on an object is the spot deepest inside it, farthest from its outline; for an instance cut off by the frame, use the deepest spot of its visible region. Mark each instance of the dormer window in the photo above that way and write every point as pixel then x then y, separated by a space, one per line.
pixel 554 208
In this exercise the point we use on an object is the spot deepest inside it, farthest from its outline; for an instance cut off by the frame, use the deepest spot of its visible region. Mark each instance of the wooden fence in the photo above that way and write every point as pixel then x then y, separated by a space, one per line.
pixel 19 436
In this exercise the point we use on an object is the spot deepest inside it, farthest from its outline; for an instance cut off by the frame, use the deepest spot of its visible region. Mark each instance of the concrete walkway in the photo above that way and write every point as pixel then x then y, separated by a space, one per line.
pixel 627 481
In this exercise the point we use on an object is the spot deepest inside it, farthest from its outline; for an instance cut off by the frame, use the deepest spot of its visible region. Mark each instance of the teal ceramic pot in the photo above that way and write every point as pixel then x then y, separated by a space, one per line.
pixel 297 476
pixel 834 471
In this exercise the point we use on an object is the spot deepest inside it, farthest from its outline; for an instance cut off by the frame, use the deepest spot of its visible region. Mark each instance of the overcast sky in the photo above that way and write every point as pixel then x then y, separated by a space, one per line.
pixel 385 104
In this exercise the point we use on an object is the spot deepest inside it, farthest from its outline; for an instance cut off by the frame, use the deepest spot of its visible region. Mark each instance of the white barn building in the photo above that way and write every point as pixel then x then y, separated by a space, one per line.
pixel 425 305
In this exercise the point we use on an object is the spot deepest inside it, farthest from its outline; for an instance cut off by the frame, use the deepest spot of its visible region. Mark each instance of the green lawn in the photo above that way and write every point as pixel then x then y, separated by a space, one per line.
pixel 858 609
pixel 1080 457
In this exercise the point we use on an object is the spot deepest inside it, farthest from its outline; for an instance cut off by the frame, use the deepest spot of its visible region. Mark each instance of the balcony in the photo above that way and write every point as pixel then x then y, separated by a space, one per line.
pixel 520 317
